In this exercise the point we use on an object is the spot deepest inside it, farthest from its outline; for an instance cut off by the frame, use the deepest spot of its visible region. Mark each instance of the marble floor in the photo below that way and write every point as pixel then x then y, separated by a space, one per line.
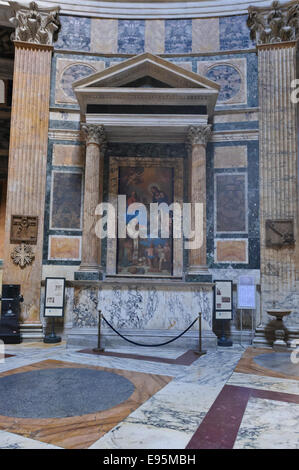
pixel 222 400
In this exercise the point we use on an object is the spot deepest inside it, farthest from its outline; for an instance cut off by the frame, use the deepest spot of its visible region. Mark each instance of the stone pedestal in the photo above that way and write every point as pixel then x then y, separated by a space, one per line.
pixel 197 140
pixel 90 267
pixel 35 31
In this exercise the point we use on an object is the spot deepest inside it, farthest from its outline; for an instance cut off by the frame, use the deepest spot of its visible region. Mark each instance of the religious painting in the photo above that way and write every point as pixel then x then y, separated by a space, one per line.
pixel 145 256
pixel 66 200
pixel 231 203
pixel 145 181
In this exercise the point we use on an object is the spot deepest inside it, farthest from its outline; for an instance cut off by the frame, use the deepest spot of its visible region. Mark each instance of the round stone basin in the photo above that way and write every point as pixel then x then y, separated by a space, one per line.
pixel 278 313
pixel 61 392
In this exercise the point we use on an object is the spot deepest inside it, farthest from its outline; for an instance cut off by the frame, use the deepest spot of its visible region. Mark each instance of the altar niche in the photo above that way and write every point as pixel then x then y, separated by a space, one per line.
pixel 145 180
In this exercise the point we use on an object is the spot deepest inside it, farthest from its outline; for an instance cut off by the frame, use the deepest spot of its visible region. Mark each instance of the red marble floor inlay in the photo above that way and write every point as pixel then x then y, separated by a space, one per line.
pixel 220 427
pixel 185 359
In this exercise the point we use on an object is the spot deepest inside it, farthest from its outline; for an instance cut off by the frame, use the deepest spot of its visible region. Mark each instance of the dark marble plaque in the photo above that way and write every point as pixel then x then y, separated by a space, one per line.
pixel 279 233
pixel 231 203
pixel 66 200
pixel 23 229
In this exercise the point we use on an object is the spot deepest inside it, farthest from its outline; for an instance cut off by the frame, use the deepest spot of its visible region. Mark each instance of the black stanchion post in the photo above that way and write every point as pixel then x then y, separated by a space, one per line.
pixel 99 348
pixel 200 351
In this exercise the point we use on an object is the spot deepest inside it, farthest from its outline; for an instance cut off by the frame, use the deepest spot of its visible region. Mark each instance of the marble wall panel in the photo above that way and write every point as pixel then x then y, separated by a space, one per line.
pixel 230 157
pixel 70 70
pixel 178 36
pixel 131 35
pixel 155 307
pixel 74 34
pixel 154 36
pixel 104 35
pixel 66 200
pixel 184 64
pixel 205 35
pixel 64 248
pixel 231 203
pixel 231 251
pixel 234 33
pixel 231 74
pixel 68 155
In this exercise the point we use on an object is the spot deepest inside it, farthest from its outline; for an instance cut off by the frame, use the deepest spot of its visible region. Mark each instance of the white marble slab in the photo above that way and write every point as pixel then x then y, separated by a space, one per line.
pixel 9 440
pixel 269 424
pixel 140 436
pixel 264 383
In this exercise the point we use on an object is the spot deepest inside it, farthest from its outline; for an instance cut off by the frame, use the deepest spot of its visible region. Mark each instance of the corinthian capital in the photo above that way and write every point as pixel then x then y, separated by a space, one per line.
pixel 277 23
pixel 94 134
pixel 199 135
pixel 35 25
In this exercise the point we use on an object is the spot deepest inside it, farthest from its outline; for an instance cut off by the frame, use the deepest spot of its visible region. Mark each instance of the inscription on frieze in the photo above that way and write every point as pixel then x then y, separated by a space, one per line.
pixel 24 229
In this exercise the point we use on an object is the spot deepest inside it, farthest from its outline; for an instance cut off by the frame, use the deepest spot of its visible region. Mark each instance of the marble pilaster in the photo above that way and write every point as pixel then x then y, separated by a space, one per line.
pixel 34 34
pixel 275 30
pixel 197 140
pixel 93 193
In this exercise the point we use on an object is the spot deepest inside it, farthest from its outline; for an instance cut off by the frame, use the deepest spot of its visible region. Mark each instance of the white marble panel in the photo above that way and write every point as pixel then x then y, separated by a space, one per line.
pixel 269 424
pixel 265 383
pixel 9 440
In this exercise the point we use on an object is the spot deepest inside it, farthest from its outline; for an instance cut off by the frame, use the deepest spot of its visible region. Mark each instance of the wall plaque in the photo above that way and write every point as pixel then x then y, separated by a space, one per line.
pixel 24 229
pixel 279 233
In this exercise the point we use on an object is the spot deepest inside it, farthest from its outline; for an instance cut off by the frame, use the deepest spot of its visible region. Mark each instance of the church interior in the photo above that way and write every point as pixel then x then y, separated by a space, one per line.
pixel 114 335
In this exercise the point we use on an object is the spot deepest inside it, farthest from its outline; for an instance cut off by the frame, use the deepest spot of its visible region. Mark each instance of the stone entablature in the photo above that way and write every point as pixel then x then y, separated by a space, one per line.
pixel 277 23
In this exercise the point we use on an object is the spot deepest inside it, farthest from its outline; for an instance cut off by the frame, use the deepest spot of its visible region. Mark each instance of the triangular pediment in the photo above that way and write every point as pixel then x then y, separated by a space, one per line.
pixel 146 68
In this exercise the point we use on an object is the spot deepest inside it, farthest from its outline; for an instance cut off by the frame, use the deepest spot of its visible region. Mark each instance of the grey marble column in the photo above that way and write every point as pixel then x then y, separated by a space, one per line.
pixel 275 31
pixel 93 194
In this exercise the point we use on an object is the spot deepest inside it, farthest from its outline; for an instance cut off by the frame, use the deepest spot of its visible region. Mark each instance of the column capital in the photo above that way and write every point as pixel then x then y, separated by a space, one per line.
pixel 34 24
pixel 94 134
pixel 199 135
pixel 274 24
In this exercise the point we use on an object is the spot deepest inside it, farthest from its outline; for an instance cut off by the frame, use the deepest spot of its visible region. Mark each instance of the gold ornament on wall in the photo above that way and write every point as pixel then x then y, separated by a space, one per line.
pixel 22 255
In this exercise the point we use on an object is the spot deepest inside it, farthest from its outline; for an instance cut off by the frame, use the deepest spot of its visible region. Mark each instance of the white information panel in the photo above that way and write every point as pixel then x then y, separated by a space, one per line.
pixel 54 297
pixel 246 293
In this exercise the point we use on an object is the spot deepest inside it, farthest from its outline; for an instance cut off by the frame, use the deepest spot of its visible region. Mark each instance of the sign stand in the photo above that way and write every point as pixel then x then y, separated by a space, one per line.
pixel 223 340
pixel 246 301
pixel 223 299
pixel 54 304
pixel 52 338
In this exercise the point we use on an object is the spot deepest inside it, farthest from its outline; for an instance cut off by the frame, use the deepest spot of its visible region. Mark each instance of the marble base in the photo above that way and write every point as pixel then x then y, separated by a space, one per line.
pixel 265 336
pixel 87 337
pixel 31 331
pixel 88 276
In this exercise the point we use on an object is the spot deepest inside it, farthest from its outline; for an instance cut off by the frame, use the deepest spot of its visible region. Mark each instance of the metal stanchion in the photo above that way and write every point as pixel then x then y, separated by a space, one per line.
pixel 200 351
pixel 99 348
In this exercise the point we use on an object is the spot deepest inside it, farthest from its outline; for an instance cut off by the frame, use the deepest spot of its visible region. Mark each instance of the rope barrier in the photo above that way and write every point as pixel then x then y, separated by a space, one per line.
pixel 149 345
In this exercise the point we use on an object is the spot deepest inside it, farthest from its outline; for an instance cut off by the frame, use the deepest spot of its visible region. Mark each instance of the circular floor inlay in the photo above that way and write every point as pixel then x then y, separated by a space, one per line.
pixel 278 362
pixel 61 392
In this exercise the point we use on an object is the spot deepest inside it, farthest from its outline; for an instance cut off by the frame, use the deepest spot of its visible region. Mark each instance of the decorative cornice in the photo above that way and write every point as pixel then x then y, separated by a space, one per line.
pixel 275 24
pixel 199 135
pixel 34 24
pixel 94 134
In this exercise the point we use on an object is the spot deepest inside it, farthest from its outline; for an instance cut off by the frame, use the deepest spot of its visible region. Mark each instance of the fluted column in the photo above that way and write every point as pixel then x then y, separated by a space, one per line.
pixel 34 34
pixel 93 195
pixel 275 30
pixel 197 140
